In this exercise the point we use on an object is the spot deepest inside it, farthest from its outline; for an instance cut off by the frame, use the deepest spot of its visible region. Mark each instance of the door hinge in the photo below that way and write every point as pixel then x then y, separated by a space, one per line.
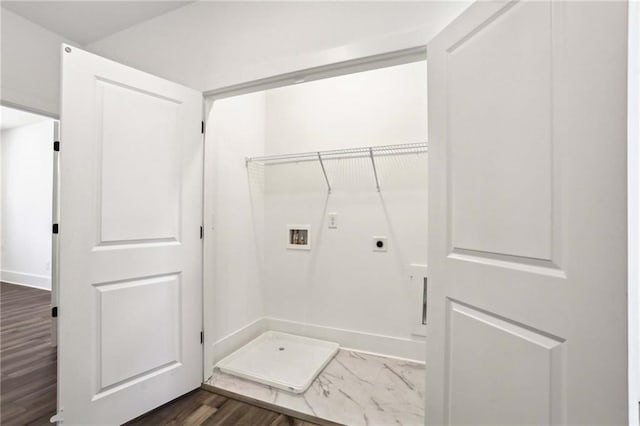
pixel 55 228
pixel 54 312
pixel 202 127
pixel 56 146
pixel 201 232
pixel 425 281
pixel 201 337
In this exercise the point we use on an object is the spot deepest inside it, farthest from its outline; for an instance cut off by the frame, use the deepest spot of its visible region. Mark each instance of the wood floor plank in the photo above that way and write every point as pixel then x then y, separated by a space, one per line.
pixel 27 356
pixel 230 414
pixel 203 408
pixel 215 400
pixel 200 415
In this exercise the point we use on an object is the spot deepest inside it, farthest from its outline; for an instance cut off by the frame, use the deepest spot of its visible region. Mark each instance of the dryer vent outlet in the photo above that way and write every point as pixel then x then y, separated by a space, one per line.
pixel 379 243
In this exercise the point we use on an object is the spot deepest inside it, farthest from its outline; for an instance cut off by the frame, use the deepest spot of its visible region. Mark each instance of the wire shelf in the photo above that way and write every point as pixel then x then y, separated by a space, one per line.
pixel 339 154
pixel 408 148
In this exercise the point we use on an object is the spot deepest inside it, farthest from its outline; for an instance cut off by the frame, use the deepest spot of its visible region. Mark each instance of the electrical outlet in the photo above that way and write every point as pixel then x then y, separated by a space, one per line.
pixel 379 243
pixel 333 220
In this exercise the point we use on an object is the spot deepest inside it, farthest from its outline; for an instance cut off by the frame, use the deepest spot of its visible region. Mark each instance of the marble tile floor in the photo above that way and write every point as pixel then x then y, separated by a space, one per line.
pixel 354 389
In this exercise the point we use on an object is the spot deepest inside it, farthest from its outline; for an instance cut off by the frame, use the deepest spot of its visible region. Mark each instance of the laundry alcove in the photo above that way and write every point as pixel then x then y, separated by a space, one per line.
pixel 345 158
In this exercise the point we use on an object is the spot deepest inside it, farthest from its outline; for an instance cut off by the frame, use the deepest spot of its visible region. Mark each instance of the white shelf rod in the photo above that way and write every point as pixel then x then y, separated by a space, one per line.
pixel 338 154
pixel 375 171
pixel 324 172
pixel 380 151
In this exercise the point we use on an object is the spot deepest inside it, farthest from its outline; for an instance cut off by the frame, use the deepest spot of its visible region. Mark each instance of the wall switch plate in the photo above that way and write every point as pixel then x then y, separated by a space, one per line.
pixel 379 243
pixel 333 220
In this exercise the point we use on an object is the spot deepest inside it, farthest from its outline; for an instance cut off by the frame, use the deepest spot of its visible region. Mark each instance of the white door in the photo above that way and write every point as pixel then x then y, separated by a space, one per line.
pixel 130 311
pixel 527 311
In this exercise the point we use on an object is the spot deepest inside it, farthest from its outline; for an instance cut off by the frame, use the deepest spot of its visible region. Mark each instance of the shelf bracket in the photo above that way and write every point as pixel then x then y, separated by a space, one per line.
pixel 324 172
pixel 375 171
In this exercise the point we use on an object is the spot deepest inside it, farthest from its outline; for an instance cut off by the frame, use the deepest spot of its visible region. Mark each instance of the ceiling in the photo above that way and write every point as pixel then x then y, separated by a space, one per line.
pixel 10 118
pixel 84 22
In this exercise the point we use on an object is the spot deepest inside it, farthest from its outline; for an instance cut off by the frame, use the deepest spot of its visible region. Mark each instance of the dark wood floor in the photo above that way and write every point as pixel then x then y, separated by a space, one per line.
pixel 27 357
pixel 28 375
pixel 202 407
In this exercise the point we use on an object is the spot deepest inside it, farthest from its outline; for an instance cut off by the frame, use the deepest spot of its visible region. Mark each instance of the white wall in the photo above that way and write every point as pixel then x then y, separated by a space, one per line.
pixel 235 130
pixel 27 182
pixel 208 45
pixel 342 283
pixel 30 58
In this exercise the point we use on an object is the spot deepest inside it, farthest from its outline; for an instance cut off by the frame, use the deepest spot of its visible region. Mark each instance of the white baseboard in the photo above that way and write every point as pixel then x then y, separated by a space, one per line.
pixel 42 282
pixel 396 347
pixel 231 342
pixel 389 346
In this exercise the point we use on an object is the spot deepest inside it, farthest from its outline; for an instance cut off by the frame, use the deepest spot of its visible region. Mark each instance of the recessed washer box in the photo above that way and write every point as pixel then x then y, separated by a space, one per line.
pixel 284 361
pixel 299 237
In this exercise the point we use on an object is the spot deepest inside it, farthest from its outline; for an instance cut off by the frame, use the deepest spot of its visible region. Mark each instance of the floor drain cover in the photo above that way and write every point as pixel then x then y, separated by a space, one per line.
pixel 280 360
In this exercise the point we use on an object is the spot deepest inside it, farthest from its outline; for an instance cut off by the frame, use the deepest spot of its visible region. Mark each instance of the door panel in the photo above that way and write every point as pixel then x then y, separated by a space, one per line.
pixel 517 222
pixel 125 215
pixel 130 250
pixel 532 366
pixel 527 221
pixel 123 324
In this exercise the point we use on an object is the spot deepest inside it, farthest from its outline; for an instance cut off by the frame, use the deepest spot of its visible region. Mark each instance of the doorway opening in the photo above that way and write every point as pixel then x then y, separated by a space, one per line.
pixel 316 221
pixel 28 341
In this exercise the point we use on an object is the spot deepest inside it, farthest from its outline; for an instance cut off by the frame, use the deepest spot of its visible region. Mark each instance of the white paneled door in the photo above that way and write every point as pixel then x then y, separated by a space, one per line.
pixel 130 311
pixel 527 311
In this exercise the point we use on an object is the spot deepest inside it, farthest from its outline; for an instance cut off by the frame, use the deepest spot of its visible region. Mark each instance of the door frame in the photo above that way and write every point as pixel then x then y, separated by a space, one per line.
pixel 29 109
pixel 55 201
pixel 54 204
pixel 633 209
pixel 335 69
pixel 55 243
